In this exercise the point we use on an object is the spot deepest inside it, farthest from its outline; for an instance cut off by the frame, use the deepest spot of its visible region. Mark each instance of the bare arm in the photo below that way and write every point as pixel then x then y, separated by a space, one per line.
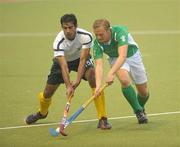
pixel 119 62
pixel 65 74
pixel 81 67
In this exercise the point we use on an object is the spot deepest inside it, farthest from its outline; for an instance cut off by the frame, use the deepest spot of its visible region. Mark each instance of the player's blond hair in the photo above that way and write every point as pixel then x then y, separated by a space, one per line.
pixel 101 22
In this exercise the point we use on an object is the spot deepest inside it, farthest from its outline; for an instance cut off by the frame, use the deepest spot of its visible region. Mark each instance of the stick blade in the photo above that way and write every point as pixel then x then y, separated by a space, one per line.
pixel 53 132
pixel 61 130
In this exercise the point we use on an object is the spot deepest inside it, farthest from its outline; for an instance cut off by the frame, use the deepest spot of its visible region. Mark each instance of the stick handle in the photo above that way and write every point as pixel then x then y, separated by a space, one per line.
pixel 66 110
pixel 92 97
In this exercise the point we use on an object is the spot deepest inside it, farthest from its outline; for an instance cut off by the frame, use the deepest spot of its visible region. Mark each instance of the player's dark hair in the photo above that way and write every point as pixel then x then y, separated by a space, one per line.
pixel 69 18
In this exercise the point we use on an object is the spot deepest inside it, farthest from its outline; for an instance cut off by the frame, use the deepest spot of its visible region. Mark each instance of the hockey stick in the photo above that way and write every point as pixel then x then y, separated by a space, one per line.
pixel 61 127
pixel 77 113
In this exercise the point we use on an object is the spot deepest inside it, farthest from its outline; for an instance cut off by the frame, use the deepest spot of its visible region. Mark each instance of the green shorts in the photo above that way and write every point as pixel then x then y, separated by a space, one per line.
pixel 55 77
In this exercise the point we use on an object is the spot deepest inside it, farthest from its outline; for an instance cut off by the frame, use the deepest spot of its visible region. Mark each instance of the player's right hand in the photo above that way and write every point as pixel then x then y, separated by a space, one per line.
pixel 97 91
pixel 69 91
pixel 76 84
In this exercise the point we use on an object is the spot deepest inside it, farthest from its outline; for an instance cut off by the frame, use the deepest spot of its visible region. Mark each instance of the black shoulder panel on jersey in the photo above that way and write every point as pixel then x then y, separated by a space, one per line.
pixel 59 44
pixel 79 32
pixel 58 50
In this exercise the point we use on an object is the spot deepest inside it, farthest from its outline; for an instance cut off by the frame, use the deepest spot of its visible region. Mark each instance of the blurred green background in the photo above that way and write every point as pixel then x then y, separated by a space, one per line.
pixel 27 31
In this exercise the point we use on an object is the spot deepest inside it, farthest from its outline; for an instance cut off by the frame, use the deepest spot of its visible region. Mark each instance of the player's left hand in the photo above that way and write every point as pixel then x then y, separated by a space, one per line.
pixel 76 84
pixel 97 92
pixel 69 91
pixel 110 79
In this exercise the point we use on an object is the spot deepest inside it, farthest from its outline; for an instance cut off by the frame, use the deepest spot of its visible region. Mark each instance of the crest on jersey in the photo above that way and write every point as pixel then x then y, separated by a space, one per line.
pixel 123 38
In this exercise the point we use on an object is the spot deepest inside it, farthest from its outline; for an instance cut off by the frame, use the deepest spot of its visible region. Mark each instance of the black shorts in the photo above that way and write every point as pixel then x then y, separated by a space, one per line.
pixel 55 77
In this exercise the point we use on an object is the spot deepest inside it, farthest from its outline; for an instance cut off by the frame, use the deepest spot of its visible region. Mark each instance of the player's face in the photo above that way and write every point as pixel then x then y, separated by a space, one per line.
pixel 69 30
pixel 102 34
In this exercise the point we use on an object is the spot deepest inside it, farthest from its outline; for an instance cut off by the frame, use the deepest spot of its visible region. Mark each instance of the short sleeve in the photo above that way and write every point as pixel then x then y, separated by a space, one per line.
pixel 122 37
pixel 87 41
pixel 58 46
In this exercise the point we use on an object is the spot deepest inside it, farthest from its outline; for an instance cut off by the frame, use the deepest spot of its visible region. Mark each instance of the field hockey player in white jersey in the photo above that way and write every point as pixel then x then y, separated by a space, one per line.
pixel 71 53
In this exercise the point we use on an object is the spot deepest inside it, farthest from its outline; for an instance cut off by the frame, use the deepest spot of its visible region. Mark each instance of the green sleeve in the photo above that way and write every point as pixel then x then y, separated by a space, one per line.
pixel 122 37
pixel 97 51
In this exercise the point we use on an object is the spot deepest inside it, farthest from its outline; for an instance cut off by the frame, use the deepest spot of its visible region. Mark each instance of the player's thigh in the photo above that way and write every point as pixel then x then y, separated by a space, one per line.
pixel 123 76
pixel 90 76
pixel 54 79
pixel 137 69
pixel 122 73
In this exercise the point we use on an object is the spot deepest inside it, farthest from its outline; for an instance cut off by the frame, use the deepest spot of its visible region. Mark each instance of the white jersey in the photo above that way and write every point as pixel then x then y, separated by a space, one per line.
pixel 71 49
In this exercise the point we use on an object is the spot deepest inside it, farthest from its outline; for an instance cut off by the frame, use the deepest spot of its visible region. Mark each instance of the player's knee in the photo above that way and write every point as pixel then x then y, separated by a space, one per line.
pixel 48 94
pixel 144 93
pixel 124 82
pixel 124 78
pixel 143 90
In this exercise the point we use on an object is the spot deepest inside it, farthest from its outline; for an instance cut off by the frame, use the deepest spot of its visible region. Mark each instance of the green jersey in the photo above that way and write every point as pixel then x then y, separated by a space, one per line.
pixel 119 37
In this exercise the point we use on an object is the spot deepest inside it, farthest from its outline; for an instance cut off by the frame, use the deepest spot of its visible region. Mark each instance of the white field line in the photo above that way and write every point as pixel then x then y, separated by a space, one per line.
pixel 84 121
pixel 46 34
